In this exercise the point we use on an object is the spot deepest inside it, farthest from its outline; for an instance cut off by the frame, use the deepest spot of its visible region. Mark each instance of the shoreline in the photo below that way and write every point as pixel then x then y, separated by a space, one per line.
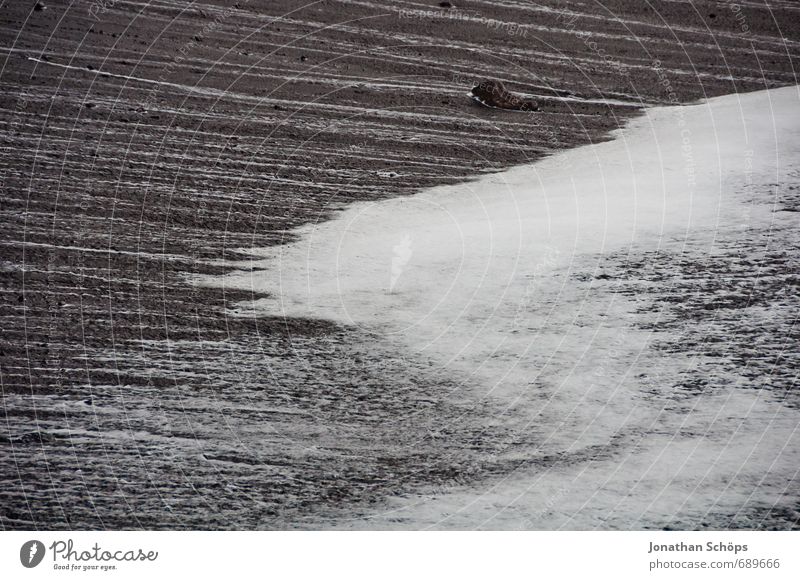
pixel 125 391
pixel 339 270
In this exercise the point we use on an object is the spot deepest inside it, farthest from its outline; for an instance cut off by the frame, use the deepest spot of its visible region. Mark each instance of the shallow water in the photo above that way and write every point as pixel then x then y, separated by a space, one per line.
pixel 501 283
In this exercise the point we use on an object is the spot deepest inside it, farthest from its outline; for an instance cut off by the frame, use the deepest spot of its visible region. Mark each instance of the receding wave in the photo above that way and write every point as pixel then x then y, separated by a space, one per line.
pixel 543 290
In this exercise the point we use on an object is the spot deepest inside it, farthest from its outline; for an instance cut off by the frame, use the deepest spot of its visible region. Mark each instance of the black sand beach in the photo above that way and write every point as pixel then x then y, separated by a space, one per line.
pixel 144 143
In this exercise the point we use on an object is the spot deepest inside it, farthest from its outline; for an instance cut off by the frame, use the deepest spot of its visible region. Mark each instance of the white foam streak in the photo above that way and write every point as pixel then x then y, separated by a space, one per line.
pixel 481 278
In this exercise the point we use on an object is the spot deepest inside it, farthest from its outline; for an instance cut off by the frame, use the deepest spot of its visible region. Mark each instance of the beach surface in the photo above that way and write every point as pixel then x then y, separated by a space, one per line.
pixel 502 284
pixel 149 147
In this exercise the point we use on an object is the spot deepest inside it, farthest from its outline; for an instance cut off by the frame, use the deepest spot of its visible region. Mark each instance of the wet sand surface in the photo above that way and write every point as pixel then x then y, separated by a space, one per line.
pixel 624 310
pixel 144 143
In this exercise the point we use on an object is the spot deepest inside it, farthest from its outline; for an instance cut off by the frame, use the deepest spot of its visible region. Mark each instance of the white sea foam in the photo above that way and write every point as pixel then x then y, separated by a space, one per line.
pixel 480 278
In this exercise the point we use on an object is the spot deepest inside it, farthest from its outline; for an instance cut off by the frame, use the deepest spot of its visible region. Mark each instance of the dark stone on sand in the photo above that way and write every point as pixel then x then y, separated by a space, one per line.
pixel 494 94
pixel 38 7
pixel 446 4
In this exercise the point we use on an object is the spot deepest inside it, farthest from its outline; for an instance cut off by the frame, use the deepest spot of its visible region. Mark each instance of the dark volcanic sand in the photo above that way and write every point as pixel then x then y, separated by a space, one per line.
pixel 146 141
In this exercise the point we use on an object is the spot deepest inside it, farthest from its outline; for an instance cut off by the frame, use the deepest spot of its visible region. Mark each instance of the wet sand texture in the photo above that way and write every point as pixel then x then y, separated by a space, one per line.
pixel 143 143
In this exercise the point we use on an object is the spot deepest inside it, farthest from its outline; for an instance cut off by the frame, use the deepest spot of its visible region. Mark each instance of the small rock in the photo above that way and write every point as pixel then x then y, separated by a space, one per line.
pixel 494 94
pixel 39 6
